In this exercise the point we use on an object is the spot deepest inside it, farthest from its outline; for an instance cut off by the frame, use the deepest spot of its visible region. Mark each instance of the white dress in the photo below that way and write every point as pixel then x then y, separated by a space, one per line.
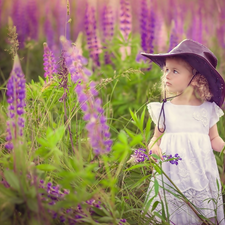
pixel 187 129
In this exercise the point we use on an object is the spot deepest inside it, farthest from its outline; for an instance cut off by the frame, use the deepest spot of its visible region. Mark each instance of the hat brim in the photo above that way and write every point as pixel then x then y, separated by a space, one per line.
pixel 215 80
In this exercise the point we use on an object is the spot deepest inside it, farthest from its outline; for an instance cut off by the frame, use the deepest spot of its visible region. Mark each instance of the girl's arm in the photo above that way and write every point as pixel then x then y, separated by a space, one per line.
pixel 216 141
pixel 155 147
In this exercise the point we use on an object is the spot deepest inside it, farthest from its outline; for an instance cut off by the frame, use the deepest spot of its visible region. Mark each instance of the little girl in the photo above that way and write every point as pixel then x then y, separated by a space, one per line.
pixel 188 124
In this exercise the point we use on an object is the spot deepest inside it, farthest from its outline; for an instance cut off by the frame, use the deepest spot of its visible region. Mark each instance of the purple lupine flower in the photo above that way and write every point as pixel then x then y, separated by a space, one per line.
pixel 19 20
pixel 147 20
pixel 108 30
pixel 174 158
pixel 48 29
pixel 151 28
pixel 98 130
pixel 173 37
pixel 92 39
pixel 61 17
pixel 140 155
pixel 49 62
pixel 32 26
pixel 143 22
pixel 16 100
pixel 125 18
pixel 122 221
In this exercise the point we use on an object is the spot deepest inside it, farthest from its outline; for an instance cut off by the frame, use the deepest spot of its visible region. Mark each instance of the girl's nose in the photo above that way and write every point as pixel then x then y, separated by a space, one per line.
pixel 167 75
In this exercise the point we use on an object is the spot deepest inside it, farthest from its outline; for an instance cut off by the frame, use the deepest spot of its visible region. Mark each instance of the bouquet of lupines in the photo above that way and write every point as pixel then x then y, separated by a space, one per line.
pixel 141 154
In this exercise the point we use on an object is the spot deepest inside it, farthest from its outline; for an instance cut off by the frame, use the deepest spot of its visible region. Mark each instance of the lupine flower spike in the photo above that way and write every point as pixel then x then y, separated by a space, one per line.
pixel 49 62
pixel 98 130
pixel 92 39
pixel 125 25
pixel 16 99
pixel 108 29
pixel 140 155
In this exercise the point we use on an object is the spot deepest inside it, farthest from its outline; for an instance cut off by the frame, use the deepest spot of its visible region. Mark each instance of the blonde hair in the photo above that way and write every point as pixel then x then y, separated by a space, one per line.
pixel 199 82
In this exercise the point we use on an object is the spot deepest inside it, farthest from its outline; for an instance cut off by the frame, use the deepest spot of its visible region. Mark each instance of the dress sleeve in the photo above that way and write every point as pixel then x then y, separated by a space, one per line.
pixel 154 110
pixel 217 112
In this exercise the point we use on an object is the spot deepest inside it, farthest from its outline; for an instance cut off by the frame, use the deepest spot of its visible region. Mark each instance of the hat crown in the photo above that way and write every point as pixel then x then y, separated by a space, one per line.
pixel 191 47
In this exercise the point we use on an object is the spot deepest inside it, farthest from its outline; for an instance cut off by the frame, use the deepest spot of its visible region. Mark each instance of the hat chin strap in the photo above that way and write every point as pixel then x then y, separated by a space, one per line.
pixel 162 111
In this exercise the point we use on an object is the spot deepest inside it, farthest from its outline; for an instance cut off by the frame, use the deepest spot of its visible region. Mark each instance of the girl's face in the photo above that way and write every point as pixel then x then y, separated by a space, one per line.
pixel 177 75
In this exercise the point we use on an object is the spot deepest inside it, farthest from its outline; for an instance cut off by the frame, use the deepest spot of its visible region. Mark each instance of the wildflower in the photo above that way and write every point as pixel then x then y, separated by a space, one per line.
pixel 173 37
pixel 19 20
pixel 108 30
pixel 172 159
pixel 49 62
pixel 98 130
pixel 32 25
pixel 48 29
pixel 92 39
pixel 16 99
pixel 125 18
pixel 140 155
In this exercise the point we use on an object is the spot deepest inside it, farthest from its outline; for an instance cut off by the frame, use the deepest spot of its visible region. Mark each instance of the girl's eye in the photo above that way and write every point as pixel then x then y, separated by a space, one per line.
pixel 175 71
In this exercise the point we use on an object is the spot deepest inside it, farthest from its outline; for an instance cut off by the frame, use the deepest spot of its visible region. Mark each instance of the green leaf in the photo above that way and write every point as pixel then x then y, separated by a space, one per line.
pixel 12 179
pixel 136 166
pixel 43 142
pixel 157 168
pixel 32 204
pixel 156 186
pixel 155 156
pixel 46 167
pixel 137 140
pixel 122 137
pixel 163 210
pixel 42 151
pixel 139 182
pixel 16 200
pixel 105 219
pixel 130 133
pixel 218 185
pixel 155 205
pixel 142 120
pixel 6 191
pixel 99 211
pixel 147 130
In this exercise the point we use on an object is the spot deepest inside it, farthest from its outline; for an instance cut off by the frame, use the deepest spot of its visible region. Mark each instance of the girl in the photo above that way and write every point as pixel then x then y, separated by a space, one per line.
pixel 188 124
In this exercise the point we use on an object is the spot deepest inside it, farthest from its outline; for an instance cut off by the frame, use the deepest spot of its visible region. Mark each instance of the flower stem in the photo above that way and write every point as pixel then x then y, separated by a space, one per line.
pixel 183 197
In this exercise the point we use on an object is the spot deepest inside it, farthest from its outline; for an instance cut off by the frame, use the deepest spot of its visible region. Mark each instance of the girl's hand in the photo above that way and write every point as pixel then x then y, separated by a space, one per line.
pixel 155 150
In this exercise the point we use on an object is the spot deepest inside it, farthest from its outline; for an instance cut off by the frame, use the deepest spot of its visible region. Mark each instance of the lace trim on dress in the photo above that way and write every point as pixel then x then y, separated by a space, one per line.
pixel 200 199
pixel 201 116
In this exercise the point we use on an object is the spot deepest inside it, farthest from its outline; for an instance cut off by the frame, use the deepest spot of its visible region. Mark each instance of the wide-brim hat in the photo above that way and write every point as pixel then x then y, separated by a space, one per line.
pixel 201 59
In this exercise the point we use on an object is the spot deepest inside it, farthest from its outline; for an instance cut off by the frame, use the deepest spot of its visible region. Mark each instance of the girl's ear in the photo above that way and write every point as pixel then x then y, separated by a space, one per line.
pixel 194 82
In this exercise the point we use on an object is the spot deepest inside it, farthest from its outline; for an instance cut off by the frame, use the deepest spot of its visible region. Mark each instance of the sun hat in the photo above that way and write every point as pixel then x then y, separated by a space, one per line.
pixel 201 59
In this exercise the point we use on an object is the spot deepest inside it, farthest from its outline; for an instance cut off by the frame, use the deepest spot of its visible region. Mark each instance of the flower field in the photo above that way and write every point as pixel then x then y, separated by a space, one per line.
pixel 74 128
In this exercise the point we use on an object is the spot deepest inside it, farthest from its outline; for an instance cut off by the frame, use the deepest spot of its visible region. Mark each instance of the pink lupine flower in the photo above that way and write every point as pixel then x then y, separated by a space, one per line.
pixel 49 62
